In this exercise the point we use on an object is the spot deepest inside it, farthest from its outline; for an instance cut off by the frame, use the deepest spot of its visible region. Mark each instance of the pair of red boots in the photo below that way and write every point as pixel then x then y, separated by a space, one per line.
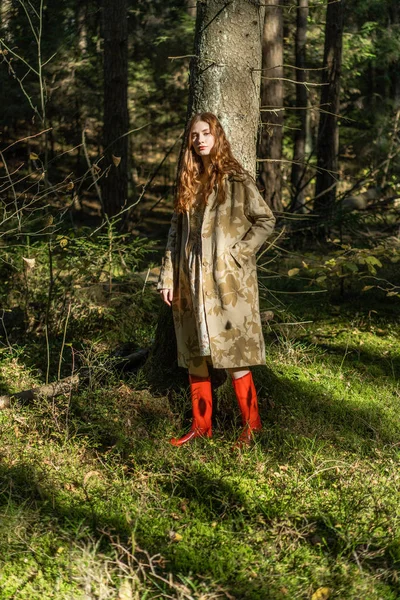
pixel 200 388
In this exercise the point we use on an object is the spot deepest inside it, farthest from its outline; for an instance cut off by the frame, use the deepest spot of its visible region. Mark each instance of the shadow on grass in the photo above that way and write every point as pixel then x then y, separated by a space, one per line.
pixel 370 363
pixel 26 485
pixel 307 409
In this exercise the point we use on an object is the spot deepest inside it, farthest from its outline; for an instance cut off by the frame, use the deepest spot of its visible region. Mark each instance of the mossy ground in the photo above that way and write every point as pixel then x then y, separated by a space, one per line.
pixel 95 503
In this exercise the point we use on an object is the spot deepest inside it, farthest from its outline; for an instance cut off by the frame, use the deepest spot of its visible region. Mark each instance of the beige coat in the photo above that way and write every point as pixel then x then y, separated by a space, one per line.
pixel 232 233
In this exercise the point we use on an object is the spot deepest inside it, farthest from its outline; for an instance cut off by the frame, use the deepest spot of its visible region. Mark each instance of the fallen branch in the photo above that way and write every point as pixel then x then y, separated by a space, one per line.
pixel 49 390
pixel 66 385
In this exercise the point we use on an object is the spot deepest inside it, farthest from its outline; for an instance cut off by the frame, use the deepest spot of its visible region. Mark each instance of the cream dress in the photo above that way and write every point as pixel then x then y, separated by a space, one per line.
pixel 195 274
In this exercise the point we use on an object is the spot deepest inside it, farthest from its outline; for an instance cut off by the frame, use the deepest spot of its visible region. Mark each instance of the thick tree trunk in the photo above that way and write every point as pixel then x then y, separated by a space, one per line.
pixel 225 72
pixel 116 120
pixel 299 149
pixel 224 79
pixel 328 131
pixel 272 97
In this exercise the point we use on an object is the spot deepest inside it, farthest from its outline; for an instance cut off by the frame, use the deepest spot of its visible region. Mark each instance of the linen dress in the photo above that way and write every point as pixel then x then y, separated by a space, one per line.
pixel 195 274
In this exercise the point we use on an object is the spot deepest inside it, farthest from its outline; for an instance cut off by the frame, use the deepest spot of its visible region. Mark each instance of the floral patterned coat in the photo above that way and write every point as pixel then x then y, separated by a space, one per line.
pixel 232 233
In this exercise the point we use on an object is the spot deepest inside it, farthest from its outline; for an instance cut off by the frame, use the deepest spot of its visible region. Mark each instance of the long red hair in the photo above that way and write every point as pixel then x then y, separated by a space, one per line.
pixel 222 162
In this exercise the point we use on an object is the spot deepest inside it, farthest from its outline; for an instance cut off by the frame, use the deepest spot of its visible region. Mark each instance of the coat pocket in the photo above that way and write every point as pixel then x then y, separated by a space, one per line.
pixel 238 261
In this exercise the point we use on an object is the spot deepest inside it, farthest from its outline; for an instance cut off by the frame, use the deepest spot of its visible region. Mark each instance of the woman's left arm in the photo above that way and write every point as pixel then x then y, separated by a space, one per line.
pixel 260 215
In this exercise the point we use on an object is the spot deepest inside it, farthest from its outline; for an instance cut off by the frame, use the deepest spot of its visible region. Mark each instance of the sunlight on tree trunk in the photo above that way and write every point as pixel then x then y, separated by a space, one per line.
pixel 272 97
pixel 225 72
pixel 299 149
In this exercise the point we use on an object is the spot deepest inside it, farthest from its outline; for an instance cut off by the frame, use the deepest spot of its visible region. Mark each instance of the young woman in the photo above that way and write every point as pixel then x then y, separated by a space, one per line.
pixel 209 276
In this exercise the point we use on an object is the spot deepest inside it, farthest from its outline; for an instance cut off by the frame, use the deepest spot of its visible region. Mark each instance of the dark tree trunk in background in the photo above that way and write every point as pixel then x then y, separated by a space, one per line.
pixel 81 20
pixel 272 97
pixel 191 7
pixel 222 80
pixel 328 131
pixel 116 119
pixel 299 149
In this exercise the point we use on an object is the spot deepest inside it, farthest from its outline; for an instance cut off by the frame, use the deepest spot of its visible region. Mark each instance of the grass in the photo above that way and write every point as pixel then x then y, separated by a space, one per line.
pixel 94 502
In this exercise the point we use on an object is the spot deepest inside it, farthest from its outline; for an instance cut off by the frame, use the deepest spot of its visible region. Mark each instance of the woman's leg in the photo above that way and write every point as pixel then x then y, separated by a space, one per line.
pixel 238 372
pixel 246 395
pixel 201 395
pixel 198 367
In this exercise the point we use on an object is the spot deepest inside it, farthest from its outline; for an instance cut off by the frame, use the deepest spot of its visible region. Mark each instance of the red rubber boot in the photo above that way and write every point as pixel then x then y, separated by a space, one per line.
pixel 247 398
pixel 200 389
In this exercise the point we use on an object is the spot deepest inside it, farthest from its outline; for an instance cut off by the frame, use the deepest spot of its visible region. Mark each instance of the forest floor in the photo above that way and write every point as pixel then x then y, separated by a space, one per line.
pixel 96 504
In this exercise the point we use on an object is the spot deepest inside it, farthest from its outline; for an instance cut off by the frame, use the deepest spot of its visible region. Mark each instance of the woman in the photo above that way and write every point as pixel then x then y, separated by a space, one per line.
pixel 209 276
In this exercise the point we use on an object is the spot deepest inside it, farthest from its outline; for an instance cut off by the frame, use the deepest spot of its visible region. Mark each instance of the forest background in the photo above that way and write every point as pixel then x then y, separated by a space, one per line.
pixel 93 502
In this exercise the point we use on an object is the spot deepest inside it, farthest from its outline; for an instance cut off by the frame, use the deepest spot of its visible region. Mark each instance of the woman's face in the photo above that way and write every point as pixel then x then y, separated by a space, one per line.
pixel 202 138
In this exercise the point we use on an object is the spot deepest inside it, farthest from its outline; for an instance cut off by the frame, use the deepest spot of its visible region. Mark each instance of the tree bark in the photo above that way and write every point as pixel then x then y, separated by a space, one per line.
pixel 225 80
pixel 272 97
pixel 191 8
pixel 225 71
pixel 116 119
pixel 300 137
pixel 328 131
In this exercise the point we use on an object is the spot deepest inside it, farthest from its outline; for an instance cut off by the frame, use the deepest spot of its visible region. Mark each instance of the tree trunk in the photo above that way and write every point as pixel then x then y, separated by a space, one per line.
pixel 5 16
pixel 191 8
pixel 224 79
pixel 116 119
pixel 225 72
pixel 299 149
pixel 272 97
pixel 81 19
pixel 328 131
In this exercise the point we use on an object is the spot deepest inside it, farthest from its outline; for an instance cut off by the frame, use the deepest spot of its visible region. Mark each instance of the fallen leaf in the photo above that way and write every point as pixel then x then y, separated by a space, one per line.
pixel 70 185
pixel 33 156
pixel 175 537
pixel 116 160
pixel 266 315
pixel 293 272
pixel 322 593
pixel 89 475
pixel 29 262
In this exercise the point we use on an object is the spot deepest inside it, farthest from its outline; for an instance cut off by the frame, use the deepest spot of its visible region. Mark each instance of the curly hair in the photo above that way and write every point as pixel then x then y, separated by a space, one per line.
pixel 222 163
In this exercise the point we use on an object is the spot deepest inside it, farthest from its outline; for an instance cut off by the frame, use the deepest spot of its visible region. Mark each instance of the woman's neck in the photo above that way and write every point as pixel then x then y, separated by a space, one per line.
pixel 206 163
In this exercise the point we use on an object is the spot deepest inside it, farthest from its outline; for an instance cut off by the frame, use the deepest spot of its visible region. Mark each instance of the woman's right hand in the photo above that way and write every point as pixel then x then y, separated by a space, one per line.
pixel 167 295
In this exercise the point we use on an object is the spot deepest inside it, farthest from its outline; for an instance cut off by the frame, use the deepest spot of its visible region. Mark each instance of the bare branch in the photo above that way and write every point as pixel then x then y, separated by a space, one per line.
pixel 305 83
pixel 28 137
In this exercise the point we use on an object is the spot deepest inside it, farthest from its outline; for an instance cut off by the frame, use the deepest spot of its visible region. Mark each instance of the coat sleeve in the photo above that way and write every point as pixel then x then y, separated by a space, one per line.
pixel 260 215
pixel 166 278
